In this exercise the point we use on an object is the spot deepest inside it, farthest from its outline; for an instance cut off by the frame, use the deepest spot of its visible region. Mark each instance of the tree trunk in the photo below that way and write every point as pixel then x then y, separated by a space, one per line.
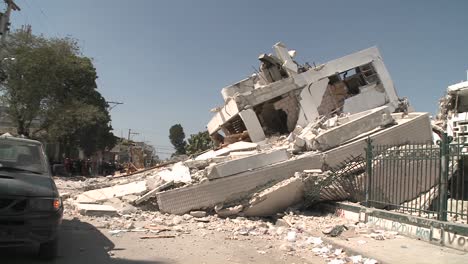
pixel 22 129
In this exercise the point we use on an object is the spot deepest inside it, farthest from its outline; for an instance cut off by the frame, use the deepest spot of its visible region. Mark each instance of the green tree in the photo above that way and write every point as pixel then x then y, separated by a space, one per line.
pixel 198 143
pixel 49 81
pixel 177 138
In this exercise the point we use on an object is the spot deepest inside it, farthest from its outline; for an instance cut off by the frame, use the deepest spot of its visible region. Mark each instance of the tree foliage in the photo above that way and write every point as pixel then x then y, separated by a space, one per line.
pixel 198 143
pixel 177 138
pixel 49 81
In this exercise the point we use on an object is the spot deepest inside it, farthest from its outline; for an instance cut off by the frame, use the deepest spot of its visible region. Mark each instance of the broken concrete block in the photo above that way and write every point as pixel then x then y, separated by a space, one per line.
pixel 356 125
pixel 153 192
pixel 240 154
pixel 228 189
pixel 248 163
pixel 230 211
pixel 251 122
pixel 286 58
pixel 178 173
pixel 104 194
pixel 125 208
pixel 217 156
pixel 96 210
pixel 198 214
pixel 197 164
pixel 153 182
pixel 130 198
pixel 415 127
pixel 206 156
pixel 242 146
pixel 276 198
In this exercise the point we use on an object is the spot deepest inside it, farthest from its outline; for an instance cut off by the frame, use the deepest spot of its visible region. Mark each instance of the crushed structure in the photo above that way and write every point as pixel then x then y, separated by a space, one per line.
pixel 285 94
pixel 284 135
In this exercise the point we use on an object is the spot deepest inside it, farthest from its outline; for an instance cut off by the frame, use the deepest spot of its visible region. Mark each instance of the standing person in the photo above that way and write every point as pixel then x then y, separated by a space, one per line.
pixel 68 166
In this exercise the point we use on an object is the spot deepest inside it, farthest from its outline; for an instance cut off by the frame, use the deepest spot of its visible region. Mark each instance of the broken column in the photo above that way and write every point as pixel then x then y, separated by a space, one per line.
pixel 252 124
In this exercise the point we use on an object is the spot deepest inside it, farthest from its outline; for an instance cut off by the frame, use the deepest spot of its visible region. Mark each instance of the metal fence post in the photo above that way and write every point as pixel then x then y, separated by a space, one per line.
pixel 368 169
pixel 444 166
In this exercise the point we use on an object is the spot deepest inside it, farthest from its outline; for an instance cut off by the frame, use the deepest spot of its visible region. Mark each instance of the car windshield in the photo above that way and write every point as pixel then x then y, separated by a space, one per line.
pixel 21 156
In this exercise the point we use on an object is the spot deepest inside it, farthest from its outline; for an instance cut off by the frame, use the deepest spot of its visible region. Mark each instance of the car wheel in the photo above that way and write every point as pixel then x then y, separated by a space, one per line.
pixel 48 250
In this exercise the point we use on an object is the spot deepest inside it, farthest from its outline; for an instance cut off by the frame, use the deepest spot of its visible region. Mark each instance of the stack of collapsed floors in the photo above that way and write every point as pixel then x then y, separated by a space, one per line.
pixel 287 119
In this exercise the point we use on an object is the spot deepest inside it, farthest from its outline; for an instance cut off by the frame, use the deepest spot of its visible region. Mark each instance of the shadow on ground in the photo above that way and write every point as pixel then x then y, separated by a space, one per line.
pixel 80 243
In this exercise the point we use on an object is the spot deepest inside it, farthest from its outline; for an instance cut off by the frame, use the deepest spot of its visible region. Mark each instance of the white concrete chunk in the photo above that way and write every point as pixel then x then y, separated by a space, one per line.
pixel 178 173
pixel 276 199
pixel 153 192
pixel 96 209
pixel 248 163
pixel 415 127
pixel 104 194
pixel 253 125
pixel 358 124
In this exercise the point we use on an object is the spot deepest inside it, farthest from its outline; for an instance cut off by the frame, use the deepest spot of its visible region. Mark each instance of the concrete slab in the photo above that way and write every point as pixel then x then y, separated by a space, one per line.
pixel 225 190
pixel 242 145
pixel 99 195
pixel 358 124
pixel 413 128
pixel 226 113
pixel 96 210
pixel 253 125
pixel 277 198
pixel 153 192
pixel 248 163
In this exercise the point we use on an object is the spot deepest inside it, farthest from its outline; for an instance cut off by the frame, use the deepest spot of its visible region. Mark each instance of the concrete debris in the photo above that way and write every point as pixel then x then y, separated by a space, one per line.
pixel 350 127
pixel 153 192
pixel 104 194
pixel 96 210
pixel 248 163
pixel 291 237
pixel 276 198
pixel 198 214
pixel 287 137
pixel 178 173
pixel 227 212
pixel 235 147
pixel 335 231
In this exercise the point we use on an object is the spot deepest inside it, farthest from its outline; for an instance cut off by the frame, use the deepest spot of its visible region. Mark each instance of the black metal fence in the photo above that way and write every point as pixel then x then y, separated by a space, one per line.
pixel 420 179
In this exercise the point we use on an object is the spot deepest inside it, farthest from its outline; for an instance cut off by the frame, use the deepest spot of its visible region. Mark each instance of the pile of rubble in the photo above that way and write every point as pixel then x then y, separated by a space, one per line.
pixel 280 130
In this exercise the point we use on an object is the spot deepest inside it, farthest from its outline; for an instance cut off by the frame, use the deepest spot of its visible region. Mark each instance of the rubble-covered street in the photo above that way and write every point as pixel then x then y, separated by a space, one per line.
pixel 232 132
pixel 258 195
pixel 292 238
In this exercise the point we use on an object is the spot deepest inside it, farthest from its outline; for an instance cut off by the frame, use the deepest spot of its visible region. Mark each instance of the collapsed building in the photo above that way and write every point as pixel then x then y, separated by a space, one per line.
pixel 285 94
pixel 282 134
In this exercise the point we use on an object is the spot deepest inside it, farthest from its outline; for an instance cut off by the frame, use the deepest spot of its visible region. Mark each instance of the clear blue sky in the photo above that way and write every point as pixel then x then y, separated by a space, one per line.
pixel 168 60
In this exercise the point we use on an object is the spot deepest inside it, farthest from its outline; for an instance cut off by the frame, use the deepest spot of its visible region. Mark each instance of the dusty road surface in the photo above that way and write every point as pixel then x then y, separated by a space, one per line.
pixel 83 243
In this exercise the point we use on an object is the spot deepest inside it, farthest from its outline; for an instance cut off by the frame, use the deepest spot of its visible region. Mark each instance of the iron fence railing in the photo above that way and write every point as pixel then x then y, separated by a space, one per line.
pixel 426 180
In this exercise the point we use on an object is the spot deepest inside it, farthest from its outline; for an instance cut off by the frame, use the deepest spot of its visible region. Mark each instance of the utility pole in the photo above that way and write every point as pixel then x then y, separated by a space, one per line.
pixel 5 18
pixel 131 133
pixel 130 146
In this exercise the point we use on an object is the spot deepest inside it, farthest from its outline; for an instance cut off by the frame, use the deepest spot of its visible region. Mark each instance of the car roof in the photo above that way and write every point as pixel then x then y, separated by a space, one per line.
pixel 18 139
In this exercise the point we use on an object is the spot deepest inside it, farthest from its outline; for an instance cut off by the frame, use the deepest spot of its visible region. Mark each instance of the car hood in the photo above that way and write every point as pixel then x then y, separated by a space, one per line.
pixel 26 184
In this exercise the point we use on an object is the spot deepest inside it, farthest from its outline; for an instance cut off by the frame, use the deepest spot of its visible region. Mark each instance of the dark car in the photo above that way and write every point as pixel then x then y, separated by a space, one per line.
pixel 30 206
